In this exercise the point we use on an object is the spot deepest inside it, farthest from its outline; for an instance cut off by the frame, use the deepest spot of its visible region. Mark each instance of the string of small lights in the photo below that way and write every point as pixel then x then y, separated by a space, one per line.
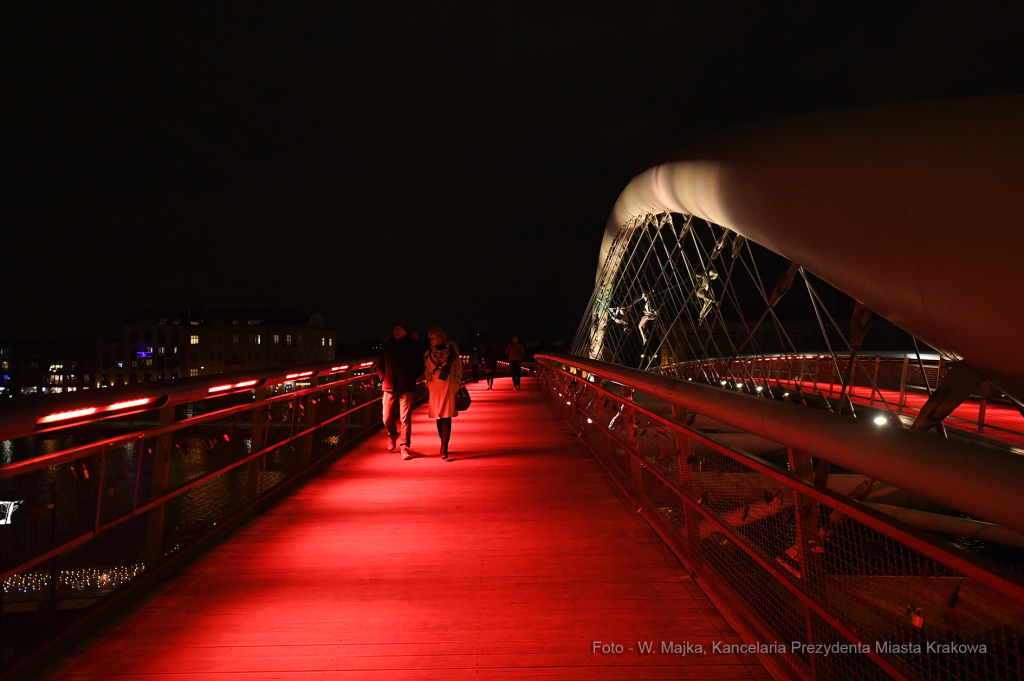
pixel 78 580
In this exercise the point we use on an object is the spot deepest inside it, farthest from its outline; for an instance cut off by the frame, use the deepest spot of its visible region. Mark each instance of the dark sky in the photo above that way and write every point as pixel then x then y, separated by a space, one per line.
pixel 448 164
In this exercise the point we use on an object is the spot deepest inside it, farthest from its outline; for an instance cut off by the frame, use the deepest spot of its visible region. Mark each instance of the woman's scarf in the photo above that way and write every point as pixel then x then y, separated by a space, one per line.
pixel 442 360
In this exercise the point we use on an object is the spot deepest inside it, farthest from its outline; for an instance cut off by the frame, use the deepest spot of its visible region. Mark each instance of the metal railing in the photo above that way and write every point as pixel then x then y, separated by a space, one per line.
pixel 86 516
pixel 891 381
pixel 796 567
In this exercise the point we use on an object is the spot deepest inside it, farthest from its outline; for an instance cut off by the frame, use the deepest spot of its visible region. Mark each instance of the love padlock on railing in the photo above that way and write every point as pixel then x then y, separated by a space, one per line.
pixel 917 619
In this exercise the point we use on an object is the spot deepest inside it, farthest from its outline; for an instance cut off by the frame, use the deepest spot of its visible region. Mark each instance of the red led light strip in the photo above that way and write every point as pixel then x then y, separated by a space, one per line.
pixel 231 386
pixel 89 411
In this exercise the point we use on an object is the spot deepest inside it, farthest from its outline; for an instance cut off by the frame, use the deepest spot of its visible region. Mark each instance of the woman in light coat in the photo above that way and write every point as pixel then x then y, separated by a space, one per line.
pixel 443 374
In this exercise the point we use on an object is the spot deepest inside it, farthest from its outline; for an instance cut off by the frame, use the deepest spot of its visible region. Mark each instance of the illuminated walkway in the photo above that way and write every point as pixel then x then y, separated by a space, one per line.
pixel 506 563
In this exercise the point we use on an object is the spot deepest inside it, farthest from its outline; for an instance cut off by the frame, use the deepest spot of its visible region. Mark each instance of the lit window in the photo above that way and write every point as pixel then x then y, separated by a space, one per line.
pixel 288 340
pixel 257 339
pixel 323 342
pixel 194 323
pixel 193 339
pixel 161 350
pixel 277 339
pixel 330 342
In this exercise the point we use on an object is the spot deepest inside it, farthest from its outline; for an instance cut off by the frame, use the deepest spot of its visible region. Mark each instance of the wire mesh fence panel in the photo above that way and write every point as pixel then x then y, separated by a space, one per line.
pixel 204 448
pixel 188 516
pixel 280 423
pixel 52 506
pixel 121 477
pixel 281 463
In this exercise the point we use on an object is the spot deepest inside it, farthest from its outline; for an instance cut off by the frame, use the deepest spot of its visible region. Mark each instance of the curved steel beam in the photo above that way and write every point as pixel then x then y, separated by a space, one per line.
pixel 915 211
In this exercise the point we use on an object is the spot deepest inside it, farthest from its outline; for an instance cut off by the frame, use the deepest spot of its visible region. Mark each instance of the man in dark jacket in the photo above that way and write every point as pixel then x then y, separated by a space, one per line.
pixel 399 366
pixel 515 353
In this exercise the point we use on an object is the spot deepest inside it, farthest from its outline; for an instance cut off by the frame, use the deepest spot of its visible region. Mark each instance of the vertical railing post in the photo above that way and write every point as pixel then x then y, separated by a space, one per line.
pixel 161 473
pixel 307 439
pixel 255 466
pixel 903 383
pixel 691 519
pixel 875 388
pixel 99 489
pixel 633 464
pixel 807 537
pixel 986 389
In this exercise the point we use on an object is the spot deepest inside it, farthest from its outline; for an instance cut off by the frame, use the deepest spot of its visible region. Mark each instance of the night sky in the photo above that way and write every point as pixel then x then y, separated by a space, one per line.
pixel 432 164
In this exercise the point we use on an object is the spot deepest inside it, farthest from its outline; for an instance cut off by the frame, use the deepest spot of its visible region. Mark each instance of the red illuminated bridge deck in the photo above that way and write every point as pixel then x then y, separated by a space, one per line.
pixel 506 563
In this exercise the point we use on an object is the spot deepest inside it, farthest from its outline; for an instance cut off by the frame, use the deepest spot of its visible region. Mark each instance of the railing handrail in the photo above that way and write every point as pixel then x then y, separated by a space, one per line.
pixel 20 422
pixel 81 451
pixel 981 481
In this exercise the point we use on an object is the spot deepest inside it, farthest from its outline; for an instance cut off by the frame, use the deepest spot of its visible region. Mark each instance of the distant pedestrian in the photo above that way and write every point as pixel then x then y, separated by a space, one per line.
pixel 490 366
pixel 474 363
pixel 399 366
pixel 443 373
pixel 515 353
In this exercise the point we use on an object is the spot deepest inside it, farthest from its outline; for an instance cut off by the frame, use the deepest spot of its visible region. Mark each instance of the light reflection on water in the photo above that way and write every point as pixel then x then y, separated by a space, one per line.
pixel 52 445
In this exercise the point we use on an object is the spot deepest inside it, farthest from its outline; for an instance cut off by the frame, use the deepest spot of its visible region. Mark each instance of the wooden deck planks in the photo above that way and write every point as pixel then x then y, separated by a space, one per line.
pixel 506 564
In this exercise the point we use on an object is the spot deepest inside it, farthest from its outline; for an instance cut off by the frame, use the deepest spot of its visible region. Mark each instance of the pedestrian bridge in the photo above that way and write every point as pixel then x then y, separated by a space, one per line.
pixel 260 529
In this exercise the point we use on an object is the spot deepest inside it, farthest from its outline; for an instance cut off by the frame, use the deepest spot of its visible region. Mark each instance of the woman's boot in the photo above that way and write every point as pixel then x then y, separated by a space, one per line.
pixel 446 435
